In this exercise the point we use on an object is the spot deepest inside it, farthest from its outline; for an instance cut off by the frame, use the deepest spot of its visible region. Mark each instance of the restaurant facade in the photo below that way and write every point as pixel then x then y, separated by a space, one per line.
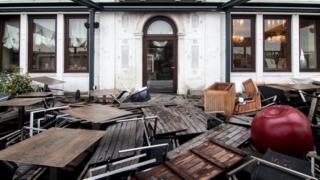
pixel 170 46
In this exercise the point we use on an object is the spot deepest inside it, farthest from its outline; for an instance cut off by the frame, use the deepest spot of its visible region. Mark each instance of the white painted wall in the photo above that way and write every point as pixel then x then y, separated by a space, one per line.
pixel 123 31
pixel 118 51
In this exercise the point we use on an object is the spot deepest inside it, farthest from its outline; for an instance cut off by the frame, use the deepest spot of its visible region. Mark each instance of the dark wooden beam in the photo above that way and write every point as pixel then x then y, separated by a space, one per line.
pixel 90 4
pixel 230 4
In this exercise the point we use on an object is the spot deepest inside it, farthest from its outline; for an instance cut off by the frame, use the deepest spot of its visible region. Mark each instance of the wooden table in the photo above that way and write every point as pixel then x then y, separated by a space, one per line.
pixel 47 80
pixel 291 90
pixel 194 118
pixel 21 103
pixel 54 148
pixel 294 87
pixel 35 95
pixel 96 113
pixel 168 123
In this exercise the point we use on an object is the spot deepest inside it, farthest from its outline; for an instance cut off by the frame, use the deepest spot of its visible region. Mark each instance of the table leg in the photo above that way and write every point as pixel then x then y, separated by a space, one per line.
pixel 96 126
pixel 21 113
pixel 53 173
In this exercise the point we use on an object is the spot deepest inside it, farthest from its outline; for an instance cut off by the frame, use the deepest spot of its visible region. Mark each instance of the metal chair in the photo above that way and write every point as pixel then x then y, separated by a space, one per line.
pixel 275 166
pixel 313 106
pixel 94 172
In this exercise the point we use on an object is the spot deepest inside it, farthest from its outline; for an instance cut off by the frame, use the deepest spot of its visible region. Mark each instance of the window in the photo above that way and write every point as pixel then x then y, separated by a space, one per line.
pixel 277 53
pixel 10 43
pixel 42 44
pixel 309 60
pixel 160 27
pixel 243 43
pixel 76 43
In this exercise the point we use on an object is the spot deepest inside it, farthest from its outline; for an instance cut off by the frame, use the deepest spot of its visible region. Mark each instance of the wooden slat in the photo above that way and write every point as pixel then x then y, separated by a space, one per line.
pixel 156 100
pixel 145 104
pixel 218 133
pixel 160 172
pixel 191 166
pixel 35 94
pixel 168 123
pixel 21 102
pixel 119 136
pixel 194 118
pixel 219 154
pixel 100 156
pixel 96 113
pixel 241 120
pixel 56 147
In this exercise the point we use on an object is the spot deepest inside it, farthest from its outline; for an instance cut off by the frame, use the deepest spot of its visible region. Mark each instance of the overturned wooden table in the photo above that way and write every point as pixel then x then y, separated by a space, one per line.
pixel 294 87
pixel 168 124
pixel 35 95
pixel 291 90
pixel 119 136
pixel 96 113
pixel 21 103
pixel 55 148
pixel 47 81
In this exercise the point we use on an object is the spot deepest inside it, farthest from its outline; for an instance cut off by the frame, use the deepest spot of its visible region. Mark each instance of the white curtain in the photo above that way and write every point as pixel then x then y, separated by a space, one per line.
pixel 11 37
pixel 39 40
pixel 303 62
pixel 78 33
pixel 44 33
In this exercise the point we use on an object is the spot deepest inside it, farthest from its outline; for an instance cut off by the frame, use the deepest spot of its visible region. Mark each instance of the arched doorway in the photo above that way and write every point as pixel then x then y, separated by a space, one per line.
pixel 160 55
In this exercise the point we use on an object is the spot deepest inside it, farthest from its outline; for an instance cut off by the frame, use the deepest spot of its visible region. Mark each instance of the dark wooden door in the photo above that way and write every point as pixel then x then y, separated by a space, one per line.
pixel 160 64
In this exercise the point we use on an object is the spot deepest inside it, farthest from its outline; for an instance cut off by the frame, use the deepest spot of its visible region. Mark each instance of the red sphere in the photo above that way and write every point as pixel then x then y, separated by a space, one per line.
pixel 283 129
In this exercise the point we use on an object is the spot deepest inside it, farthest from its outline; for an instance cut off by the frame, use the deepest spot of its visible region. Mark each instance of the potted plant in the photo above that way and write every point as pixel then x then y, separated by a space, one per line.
pixel 15 83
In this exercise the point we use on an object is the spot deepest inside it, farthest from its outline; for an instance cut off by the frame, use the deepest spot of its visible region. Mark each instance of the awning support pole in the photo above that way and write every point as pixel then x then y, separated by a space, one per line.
pixel 91 48
pixel 228 46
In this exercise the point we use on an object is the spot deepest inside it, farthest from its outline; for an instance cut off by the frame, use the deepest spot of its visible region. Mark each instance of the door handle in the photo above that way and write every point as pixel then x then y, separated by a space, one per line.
pixel 172 67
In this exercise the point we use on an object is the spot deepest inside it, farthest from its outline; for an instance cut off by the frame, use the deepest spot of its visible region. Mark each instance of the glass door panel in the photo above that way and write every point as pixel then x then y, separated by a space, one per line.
pixel 160 65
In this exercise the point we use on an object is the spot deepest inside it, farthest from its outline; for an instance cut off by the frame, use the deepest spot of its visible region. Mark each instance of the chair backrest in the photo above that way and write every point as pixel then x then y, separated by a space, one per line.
pixel 314 98
pixel 250 86
pixel 265 171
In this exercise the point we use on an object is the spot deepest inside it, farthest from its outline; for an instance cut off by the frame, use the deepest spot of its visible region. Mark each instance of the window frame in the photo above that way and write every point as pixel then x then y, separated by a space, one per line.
pixel 289 43
pixel 162 18
pixel 147 37
pixel 3 18
pixel 253 42
pixel 66 43
pixel 317 33
pixel 30 42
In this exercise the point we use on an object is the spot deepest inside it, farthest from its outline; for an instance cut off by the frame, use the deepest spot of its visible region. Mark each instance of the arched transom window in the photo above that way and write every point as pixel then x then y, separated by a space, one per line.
pixel 160 27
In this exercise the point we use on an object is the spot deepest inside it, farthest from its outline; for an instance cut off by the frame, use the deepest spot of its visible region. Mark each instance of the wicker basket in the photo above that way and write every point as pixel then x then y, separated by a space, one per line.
pixel 220 97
